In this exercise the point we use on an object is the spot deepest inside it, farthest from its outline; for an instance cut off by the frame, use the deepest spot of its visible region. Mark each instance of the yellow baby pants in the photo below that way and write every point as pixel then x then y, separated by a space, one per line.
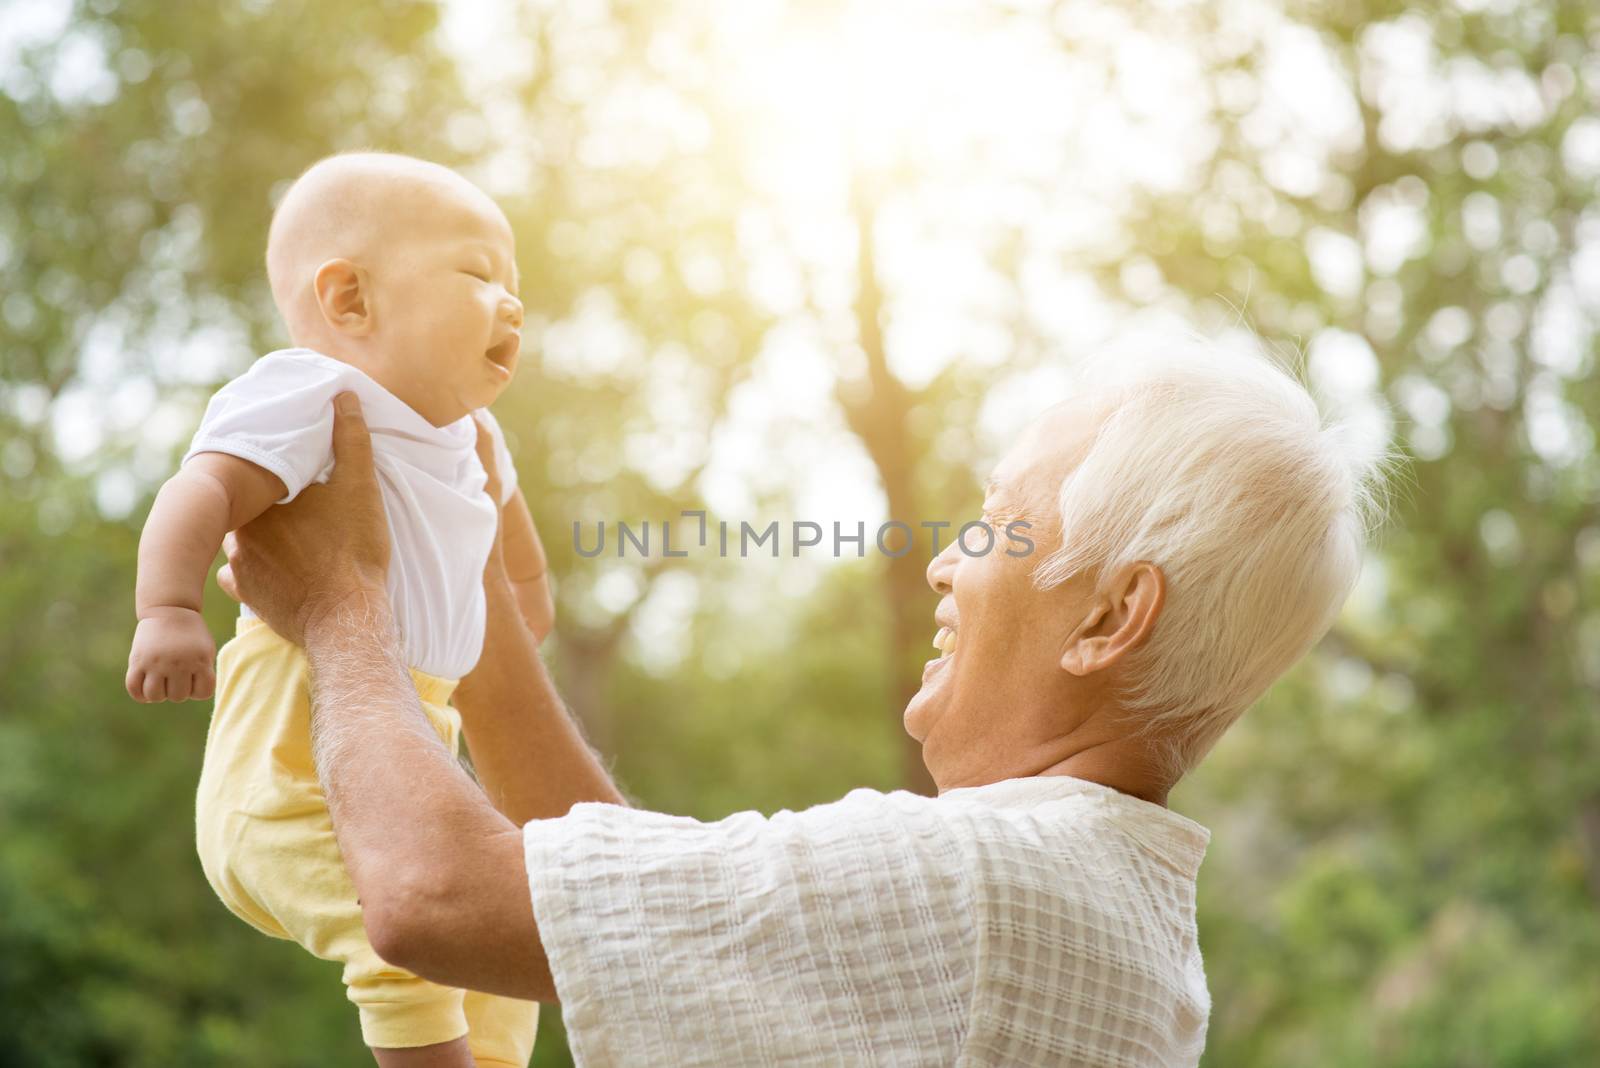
pixel 267 846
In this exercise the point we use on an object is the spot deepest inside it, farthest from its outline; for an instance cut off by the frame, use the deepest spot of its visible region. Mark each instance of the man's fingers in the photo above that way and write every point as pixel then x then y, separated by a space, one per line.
pixel 485 445
pixel 352 445
pixel 226 580
pixel 486 458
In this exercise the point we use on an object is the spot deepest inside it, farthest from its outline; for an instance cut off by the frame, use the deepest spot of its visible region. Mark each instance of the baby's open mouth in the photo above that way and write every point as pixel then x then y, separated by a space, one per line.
pixel 504 354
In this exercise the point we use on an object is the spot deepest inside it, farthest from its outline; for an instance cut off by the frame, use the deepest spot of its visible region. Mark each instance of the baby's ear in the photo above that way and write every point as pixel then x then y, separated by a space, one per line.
pixel 342 292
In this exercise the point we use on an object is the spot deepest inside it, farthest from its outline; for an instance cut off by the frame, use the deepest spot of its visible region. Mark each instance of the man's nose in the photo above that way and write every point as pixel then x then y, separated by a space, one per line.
pixel 940 569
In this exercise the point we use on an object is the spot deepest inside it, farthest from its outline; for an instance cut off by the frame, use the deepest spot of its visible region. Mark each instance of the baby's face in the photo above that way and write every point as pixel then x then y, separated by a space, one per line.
pixel 448 318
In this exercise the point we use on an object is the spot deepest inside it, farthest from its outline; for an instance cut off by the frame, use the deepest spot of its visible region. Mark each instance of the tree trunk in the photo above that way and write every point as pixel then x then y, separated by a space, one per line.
pixel 877 406
pixel 588 660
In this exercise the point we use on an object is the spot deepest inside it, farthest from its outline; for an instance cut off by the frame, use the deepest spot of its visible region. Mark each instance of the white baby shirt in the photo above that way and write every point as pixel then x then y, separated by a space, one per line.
pixel 279 415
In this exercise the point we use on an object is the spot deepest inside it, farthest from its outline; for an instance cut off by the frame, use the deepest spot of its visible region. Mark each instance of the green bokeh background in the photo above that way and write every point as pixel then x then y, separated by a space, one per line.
pixel 1405 869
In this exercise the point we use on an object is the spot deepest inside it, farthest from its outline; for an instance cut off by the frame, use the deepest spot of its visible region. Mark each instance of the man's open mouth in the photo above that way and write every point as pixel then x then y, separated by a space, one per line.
pixel 945 641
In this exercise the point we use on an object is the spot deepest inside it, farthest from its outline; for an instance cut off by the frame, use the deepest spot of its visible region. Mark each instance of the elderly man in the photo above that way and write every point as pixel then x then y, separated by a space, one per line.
pixel 1197 527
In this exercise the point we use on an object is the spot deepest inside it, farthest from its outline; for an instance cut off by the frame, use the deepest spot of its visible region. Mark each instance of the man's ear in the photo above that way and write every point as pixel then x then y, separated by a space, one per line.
pixel 343 296
pixel 1120 619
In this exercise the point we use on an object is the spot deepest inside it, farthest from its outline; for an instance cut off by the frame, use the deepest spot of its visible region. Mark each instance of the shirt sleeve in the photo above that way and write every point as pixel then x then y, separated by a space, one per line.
pixel 838 935
pixel 279 416
pixel 502 459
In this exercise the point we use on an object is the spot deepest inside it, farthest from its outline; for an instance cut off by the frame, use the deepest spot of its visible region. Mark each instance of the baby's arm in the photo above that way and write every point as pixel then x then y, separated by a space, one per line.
pixel 213 493
pixel 527 567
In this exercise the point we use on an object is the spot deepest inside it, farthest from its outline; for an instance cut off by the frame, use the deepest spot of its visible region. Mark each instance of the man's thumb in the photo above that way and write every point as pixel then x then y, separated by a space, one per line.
pixel 352 447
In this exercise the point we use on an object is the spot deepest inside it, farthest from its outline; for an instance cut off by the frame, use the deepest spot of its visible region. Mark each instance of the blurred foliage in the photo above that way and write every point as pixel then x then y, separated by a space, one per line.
pixel 1406 862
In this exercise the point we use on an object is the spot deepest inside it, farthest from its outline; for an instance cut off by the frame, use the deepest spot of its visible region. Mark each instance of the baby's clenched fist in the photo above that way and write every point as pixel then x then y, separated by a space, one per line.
pixel 172 657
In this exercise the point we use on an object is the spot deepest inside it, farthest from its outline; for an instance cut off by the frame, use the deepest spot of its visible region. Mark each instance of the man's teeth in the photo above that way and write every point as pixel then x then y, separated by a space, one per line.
pixel 945 641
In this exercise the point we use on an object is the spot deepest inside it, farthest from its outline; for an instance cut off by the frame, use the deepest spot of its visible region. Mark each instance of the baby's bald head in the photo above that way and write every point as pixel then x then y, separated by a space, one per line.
pixel 357 206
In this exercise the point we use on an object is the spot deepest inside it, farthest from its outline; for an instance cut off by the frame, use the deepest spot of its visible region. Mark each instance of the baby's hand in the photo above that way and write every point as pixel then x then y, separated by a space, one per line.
pixel 171 658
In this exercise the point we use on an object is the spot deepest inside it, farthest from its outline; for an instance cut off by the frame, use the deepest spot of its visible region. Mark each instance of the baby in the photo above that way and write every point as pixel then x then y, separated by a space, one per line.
pixel 396 279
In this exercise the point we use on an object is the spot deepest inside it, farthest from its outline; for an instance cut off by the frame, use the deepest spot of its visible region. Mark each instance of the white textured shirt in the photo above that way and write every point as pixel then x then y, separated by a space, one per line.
pixel 279 416
pixel 1036 921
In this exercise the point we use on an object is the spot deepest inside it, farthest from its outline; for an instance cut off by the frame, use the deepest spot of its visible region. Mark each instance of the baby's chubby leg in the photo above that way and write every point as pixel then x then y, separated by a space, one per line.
pixel 500 1030
pixel 500 1036
pixel 267 844
pixel 289 868
pixel 454 1054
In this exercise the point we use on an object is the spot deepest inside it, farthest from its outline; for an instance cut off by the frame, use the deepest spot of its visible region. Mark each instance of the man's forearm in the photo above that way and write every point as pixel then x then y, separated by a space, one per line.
pixel 437 869
pixel 526 748
pixel 376 753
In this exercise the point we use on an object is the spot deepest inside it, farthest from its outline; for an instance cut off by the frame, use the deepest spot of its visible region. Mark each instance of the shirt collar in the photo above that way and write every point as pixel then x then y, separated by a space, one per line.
pixel 1178 840
pixel 382 410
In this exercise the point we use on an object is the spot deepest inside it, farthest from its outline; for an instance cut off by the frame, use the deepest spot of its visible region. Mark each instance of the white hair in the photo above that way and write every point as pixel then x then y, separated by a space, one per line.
pixel 1217 467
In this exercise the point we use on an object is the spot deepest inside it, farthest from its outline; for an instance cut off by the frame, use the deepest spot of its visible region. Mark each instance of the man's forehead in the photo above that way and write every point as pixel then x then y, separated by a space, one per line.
pixel 1047 449
pixel 1010 485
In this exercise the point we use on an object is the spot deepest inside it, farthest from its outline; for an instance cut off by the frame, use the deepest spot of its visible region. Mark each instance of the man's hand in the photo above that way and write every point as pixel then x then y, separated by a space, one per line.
pixel 172 657
pixel 517 558
pixel 495 569
pixel 297 562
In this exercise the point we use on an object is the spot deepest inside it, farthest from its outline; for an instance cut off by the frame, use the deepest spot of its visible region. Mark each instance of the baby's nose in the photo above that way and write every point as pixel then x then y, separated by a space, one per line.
pixel 511 312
